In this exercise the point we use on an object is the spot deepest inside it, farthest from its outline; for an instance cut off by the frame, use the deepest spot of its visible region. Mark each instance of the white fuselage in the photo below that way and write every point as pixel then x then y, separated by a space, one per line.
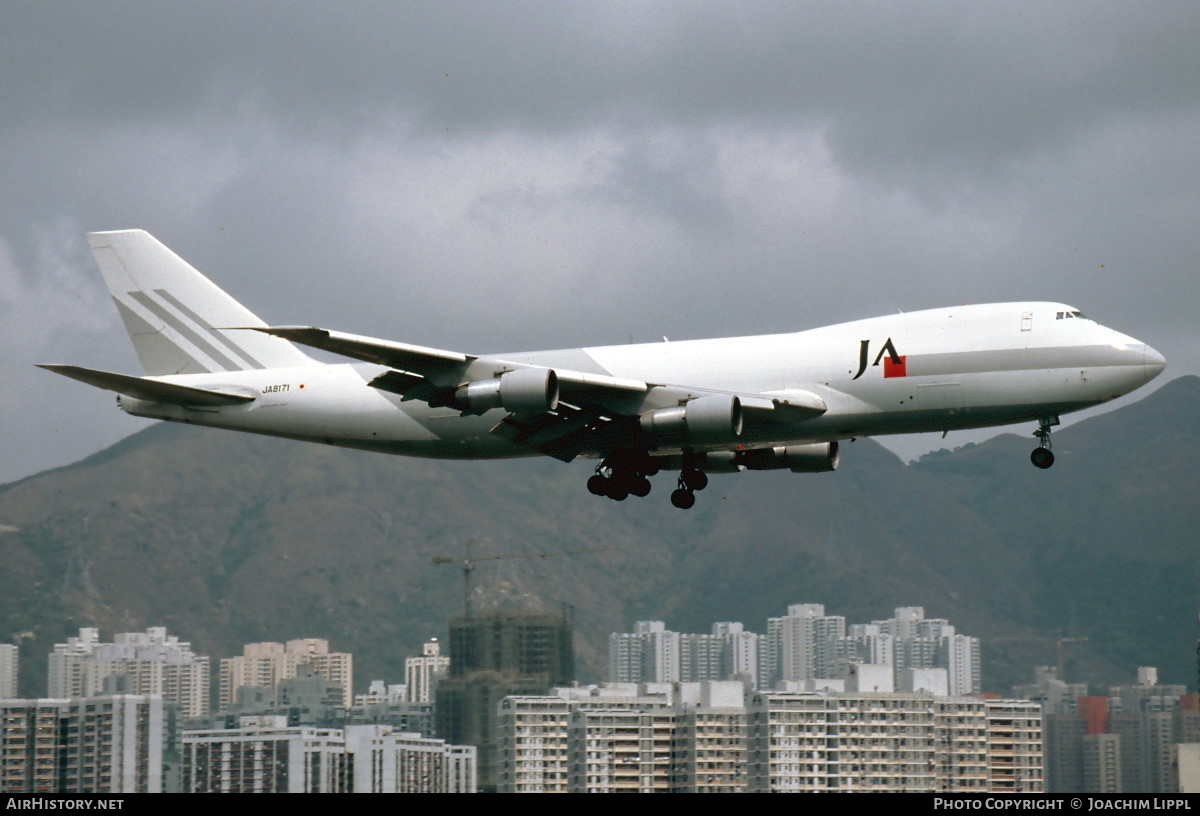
pixel 935 370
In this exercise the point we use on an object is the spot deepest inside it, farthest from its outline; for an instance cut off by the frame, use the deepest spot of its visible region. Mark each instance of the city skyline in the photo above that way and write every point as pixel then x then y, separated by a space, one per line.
pixel 861 726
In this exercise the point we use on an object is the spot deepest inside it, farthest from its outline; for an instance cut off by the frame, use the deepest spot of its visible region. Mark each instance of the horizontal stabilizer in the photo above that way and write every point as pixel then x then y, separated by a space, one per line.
pixel 151 390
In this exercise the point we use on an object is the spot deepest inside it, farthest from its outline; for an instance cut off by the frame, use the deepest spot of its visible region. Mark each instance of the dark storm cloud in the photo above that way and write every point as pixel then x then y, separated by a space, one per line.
pixel 487 175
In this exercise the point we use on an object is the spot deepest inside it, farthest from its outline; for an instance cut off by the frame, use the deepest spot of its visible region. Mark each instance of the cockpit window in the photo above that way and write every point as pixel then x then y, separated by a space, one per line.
pixel 1068 315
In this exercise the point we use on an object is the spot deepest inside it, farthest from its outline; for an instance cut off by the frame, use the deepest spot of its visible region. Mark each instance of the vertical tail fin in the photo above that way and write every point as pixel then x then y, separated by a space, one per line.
pixel 171 311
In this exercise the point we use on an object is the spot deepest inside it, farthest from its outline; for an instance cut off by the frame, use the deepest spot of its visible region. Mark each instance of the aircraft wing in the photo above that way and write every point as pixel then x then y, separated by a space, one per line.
pixel 558 412
pixel 148 389
pixel 418 359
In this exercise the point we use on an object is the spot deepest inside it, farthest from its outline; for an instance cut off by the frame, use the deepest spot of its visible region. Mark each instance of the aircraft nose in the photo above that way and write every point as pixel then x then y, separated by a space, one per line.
pixel 1153 363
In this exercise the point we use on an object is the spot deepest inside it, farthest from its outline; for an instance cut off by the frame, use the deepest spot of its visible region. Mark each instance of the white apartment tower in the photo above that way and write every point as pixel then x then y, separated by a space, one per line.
pixel 265 755
pixel 804 646
pixel 620 750
pixel 109 744
pixel 907 641
pixel 153 661
pixel 661 652
pixel 265 665
pixel 740 653
pixel 926 643
pixel 654 654
pixel 421 673
pixel 722 737
pixel 804 642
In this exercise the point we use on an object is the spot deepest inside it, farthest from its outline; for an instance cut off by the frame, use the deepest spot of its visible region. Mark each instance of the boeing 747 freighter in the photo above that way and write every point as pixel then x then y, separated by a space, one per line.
pixel 699 407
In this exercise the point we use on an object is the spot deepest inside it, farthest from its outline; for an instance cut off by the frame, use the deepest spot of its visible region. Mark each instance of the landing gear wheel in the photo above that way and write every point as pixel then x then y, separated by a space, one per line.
pixel 623 475
pixel 683 499
pixel 694 479
pixel 1042 458
pixel 598 485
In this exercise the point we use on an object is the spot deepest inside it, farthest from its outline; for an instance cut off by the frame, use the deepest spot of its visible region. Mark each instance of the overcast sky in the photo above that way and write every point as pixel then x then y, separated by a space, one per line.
pixel 501 176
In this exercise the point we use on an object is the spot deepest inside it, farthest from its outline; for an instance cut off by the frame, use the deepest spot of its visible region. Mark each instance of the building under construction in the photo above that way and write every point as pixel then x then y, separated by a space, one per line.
pixel 493 655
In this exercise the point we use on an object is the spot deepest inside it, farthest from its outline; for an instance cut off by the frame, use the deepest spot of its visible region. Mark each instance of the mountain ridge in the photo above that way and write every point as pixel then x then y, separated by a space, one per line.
pixel 229 538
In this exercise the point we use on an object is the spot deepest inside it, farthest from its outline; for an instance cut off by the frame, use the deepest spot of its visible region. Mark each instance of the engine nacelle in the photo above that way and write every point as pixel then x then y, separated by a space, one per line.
pixel 526 389
pixel 700 421
pixel 819 457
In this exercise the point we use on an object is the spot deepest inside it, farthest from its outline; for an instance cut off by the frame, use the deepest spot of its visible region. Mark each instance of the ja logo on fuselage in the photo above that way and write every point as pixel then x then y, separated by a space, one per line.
pixel 893 365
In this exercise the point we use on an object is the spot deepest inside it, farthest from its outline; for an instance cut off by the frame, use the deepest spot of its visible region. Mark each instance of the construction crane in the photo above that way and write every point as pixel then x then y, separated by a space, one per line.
pixel 468 565
pixel 1062 667
pixel 1059 653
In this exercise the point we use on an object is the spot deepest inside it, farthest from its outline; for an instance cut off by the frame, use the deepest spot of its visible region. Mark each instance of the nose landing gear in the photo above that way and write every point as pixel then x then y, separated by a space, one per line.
pixel 1042 457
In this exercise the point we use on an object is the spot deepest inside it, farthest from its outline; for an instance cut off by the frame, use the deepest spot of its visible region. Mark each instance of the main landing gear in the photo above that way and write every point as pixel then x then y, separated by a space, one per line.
pixel 618 478
pixel 690 480
pixel 1042 457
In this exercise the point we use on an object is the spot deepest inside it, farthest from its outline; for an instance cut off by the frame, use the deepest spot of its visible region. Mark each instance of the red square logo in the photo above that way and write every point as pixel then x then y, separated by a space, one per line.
pixel 895 367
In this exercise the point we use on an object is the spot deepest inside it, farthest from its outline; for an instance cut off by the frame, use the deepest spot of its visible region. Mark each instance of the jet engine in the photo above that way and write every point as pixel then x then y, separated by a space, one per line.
pixel 818 457
pixel 526 389
pixel 700 421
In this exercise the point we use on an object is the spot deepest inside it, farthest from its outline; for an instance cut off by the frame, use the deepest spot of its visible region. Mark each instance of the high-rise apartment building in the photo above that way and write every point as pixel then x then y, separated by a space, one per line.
pixel 389 705
pixel 1126 742
pixel 380 693
pixel 719 736
pixel 918 642
pixel 711 739
pixel 1101 754
pixel 144 663
pixel 109 744
pixel 909 640
pixel 653 654
pixel 422 673
pixel 265 665
pixel 265 755
pixel 802 647
pixel 1015 746
pixel 532 743
pixel 803 643
pixel 620 750
pixel 625 737
pixel 803 743
pixel 850 742
pixel 387 760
